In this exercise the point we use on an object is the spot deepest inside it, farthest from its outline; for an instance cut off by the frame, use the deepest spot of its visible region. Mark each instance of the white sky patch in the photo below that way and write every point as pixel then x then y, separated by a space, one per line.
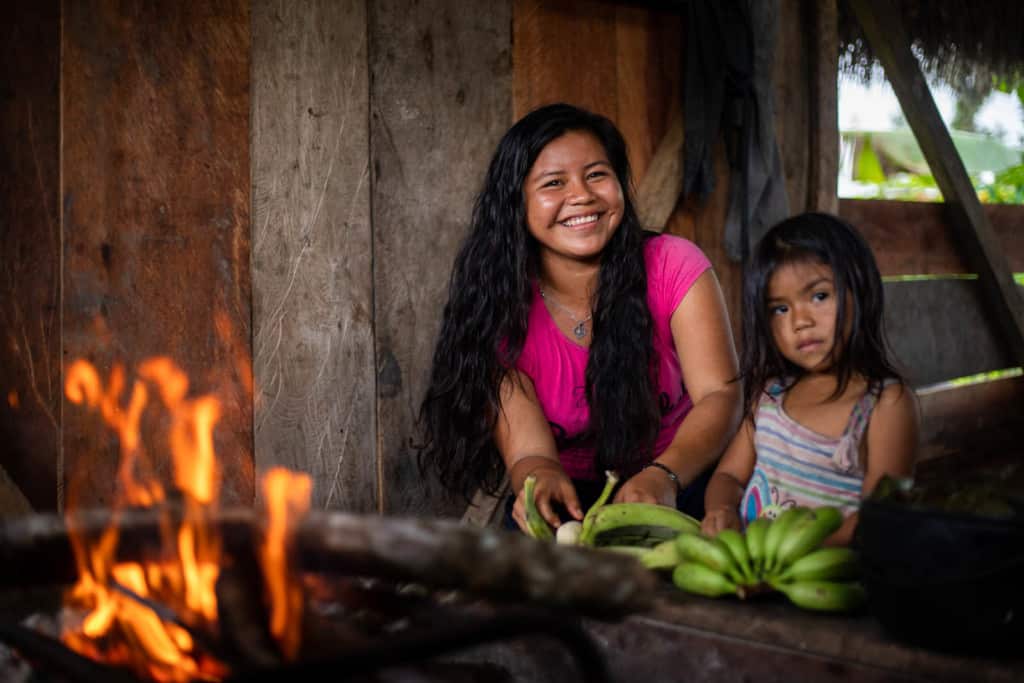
pixel 875 107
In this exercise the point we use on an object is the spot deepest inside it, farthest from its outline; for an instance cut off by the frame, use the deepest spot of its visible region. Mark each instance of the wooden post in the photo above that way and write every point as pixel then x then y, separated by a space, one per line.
pixel 659 191
pixel 824 118
pixel 884 30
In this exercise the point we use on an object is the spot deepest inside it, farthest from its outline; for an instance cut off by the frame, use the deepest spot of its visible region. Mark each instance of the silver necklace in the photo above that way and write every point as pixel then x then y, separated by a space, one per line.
pixel 580 329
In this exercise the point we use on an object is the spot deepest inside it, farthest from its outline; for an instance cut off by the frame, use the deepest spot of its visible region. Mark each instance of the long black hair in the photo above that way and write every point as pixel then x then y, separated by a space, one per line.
pixel 825 239
pixel 485 319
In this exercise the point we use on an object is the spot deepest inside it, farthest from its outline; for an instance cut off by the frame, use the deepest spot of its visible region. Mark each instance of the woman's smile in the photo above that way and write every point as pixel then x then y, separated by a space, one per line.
pixel 581 221
pixel 574 202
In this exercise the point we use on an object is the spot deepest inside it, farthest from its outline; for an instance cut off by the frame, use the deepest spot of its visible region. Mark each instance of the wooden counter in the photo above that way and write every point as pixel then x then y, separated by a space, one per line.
pixel 687 638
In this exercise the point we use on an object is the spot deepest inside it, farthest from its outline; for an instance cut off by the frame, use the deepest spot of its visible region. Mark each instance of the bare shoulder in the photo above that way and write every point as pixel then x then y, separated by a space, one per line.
pixel 893 435
pixel 898 398
pixel 896 411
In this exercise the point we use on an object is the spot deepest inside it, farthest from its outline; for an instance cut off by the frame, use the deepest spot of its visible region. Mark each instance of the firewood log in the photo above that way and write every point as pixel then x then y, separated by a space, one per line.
pixel 438 553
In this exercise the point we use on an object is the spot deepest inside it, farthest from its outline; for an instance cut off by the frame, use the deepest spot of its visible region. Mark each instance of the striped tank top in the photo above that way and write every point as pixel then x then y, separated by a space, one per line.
pixel 798 466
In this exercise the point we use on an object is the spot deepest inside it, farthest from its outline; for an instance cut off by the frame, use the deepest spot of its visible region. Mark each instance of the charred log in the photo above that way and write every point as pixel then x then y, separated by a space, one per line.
pixel 36 550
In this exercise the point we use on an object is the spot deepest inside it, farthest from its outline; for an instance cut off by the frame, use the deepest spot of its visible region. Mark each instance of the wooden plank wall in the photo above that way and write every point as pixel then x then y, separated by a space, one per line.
pixel 155 234
pixel 312 250
pixel 939 328
pixel 30 262
pixel 440 99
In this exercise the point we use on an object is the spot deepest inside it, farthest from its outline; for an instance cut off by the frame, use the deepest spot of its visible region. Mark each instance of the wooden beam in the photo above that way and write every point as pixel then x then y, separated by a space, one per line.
pixel 658 193
pixel 915 238
pixel 976 239
pixel 974 421
pixel 824 125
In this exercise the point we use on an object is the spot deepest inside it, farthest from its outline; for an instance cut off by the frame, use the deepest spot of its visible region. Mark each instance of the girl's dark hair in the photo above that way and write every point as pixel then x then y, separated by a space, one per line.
pixel 483 328
pixel 828 240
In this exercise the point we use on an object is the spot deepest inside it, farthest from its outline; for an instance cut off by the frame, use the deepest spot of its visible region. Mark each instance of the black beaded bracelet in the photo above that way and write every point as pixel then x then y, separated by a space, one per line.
pixel 666 470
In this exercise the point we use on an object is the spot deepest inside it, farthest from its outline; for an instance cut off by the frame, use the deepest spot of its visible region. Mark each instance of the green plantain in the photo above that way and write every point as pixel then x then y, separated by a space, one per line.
pixel 643 535
pixel 734 541
pixel 778 531
pixel 536 525
pixel 824 596
pixel 706 551
pixel 694 577
pixel 806 534
pixel 754 537
pixel 830 564
pixel 665 555
pixel 619 515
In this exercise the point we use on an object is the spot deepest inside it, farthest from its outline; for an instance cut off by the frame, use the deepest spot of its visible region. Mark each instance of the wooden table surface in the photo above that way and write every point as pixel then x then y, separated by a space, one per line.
pixel 687 638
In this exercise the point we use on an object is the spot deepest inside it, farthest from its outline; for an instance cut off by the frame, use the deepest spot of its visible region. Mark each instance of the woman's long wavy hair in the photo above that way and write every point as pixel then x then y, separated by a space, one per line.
pixel 825 239
pixel 484 323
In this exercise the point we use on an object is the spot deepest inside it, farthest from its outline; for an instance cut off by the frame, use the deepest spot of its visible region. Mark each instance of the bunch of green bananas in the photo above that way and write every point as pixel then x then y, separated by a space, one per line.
pixel 626 527
pixel 783 555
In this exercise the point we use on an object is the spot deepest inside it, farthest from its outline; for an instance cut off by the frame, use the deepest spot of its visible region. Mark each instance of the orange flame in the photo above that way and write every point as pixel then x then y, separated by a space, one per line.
pixel 140 614
pixel 287 498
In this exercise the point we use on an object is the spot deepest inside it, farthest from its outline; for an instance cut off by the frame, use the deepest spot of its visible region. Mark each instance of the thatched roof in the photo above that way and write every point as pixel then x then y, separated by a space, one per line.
pixel 956 40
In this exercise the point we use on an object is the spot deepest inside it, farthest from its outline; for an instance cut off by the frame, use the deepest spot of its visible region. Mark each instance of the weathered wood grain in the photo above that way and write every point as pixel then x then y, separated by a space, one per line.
pixel 565 51
pixel 791 77
pixel 972 421
pixel 939 330
pixel 155 131
pixel 824 104
pixel 312 252
pixel 30 251
pixel 974 235
pixel 915 238
pixel 440 101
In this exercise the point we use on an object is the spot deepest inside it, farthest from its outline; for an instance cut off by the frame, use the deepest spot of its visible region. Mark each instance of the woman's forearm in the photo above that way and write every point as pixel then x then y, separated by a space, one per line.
pixel 519 468
pixel 704 434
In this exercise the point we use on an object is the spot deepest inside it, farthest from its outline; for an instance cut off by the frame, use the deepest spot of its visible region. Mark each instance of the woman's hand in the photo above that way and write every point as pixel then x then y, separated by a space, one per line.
pixel 650 485
pixel 552 485
pixel 720 518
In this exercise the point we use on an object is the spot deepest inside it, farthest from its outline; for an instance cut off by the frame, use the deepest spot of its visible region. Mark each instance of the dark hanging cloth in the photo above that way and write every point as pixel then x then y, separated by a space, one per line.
pixel 729 54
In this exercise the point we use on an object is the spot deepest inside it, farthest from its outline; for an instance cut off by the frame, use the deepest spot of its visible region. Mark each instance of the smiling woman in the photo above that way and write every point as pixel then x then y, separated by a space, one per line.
pixel 573 199
pixel 573 341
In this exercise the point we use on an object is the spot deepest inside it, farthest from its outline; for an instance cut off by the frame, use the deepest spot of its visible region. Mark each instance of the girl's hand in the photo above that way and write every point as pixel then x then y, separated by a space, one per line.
pixel 552 485
pixel 648 486
pixel 718 519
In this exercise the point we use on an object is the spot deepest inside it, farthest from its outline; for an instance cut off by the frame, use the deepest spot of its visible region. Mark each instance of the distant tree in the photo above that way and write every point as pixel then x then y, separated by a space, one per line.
pixel 971 94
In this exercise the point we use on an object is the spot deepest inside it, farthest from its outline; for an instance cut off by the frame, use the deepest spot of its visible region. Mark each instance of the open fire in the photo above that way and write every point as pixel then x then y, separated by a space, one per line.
pixel 151 615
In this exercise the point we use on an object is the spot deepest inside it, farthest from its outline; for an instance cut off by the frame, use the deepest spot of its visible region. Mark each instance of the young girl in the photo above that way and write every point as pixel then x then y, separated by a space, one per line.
pixel 826 413
pixel 572 341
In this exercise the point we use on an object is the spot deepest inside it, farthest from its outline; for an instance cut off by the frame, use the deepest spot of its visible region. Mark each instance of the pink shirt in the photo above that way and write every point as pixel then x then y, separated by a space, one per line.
pixel 557 365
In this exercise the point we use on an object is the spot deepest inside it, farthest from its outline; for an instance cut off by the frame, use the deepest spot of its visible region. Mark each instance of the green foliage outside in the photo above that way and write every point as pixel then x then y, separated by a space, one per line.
pixel 890 164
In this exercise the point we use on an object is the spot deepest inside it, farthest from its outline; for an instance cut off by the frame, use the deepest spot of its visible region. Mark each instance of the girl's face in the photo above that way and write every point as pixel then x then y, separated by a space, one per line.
pixel 802 312
pixel 574 202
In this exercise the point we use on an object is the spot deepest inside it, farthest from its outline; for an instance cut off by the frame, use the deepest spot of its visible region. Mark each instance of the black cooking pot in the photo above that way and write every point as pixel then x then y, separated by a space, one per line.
pixel 947 580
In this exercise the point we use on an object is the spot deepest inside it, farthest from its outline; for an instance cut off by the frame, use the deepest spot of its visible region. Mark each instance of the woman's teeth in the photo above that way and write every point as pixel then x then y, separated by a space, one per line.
pixel 579 220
